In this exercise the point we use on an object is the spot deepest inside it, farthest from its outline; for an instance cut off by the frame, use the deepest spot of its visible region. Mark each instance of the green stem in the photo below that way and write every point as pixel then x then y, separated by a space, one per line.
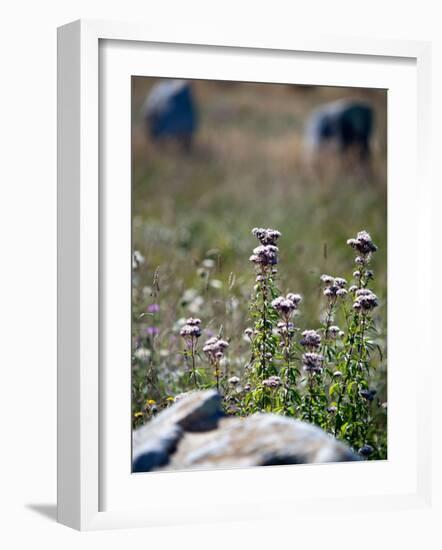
pixel 217 375
pixel 345 382
pixel 328 324
pixel 264 321
pixel 287 358
pixel 310 412
pixel 193 364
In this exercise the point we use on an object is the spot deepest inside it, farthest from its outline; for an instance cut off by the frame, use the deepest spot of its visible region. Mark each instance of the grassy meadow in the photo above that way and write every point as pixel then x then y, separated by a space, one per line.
pixel 192 219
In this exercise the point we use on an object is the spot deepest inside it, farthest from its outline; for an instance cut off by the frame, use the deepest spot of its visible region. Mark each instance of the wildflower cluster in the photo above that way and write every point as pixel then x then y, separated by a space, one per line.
pixel 335 332
pixel 266 236
pixel 263 312
pixel 191 331
pixel 354 398
pixel 363 244
pixel 285 306
pixel 312 362
pixel 334 287
pixel 272 382
pixel 267 253
pixel 311 339
pixel 324 377
pixel 214 348
pixel 365 300
pixel 312 365
pixel 364 248
pixel 333 290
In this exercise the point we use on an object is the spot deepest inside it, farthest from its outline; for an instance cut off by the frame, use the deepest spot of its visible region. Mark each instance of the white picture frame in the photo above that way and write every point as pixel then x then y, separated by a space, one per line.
pixel 84 445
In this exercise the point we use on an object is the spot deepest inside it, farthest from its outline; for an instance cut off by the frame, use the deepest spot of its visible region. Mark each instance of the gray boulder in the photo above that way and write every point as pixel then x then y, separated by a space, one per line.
pixel 193 434
pixel 258 440
pixel 154 442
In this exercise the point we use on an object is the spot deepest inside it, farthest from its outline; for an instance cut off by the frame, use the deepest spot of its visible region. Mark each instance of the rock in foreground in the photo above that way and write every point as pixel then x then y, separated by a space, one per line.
pixel 258 440
pixel 192 435
pixel 154 442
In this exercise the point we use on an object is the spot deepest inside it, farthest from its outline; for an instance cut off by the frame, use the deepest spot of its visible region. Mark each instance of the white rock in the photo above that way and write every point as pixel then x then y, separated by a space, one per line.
pixel 192 435
pixel 258 440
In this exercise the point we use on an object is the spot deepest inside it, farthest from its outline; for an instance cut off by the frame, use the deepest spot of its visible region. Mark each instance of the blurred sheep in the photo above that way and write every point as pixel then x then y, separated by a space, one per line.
pixel 344 127
pixel 170 113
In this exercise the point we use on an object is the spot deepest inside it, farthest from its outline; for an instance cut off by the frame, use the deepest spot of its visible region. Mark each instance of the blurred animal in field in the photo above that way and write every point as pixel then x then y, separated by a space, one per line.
pixel 170 113
pixel 341 129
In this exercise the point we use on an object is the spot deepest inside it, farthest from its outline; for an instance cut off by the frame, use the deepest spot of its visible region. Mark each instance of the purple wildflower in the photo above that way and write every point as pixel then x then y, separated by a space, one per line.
pixel 312 362
pixel 272 382
pixel 363 243
pixel 266 236
pixel 311 339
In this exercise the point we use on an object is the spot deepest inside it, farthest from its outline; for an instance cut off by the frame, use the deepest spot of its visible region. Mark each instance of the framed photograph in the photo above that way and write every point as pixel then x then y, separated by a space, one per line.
pixel 243 241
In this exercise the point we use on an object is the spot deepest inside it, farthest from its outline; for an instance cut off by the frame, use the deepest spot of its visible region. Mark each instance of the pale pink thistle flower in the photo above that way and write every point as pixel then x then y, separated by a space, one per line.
pixel 311 339
pixel 272 382
pixel 312 362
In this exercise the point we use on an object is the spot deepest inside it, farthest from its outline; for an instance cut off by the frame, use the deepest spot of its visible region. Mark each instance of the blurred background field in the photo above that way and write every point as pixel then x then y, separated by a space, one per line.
pixel 193 213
